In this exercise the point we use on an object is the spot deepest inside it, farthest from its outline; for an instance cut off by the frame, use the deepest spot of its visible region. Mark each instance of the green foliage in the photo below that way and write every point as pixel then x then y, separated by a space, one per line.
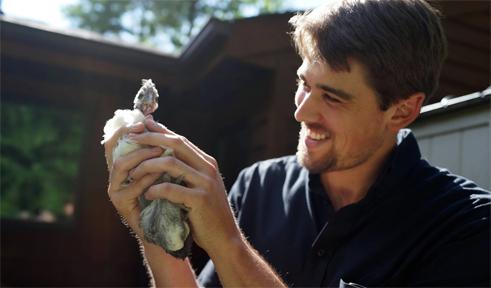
pixel 39 159
pixel 152 22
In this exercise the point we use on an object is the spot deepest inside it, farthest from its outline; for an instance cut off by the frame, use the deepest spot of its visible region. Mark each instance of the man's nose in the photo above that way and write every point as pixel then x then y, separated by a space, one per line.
pixel 306 107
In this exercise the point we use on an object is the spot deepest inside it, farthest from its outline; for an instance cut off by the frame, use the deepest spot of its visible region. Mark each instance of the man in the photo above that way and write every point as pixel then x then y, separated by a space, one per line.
pixel 357 204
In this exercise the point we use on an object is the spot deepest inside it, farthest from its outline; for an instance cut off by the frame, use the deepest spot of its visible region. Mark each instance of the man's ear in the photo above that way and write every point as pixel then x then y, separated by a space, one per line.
pixel 406 111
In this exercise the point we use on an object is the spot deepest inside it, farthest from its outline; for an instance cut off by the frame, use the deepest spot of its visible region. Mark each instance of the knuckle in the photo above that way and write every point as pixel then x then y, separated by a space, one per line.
pixel 184 140
pixel 165 187
pixel 171 161
pixel 201 198
pixel 160 187
pixel 181 140
pixel 214 163
pixel 175 141
pixel 212 171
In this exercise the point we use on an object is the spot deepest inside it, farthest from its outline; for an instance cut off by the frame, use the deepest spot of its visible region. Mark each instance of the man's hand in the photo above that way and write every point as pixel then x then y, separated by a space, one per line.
pixel 125 197
pixel 212 223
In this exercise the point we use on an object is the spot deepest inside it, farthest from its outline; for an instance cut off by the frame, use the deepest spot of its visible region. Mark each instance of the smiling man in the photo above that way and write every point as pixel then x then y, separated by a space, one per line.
pixel 343 130
pixel 357 205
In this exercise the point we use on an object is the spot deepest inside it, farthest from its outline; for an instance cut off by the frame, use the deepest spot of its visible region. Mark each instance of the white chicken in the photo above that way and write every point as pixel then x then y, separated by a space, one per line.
pixel 164 223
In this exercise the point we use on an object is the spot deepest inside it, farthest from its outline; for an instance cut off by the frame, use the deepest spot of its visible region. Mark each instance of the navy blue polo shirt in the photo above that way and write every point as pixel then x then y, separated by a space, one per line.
pixel 418 225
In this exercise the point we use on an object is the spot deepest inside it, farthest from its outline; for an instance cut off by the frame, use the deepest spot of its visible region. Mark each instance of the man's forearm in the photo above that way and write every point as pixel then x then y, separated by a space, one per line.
pixel 165 270
pixel 241 265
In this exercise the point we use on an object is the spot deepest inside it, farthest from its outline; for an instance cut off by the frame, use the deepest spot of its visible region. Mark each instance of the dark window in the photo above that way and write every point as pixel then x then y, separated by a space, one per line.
pixel 39 162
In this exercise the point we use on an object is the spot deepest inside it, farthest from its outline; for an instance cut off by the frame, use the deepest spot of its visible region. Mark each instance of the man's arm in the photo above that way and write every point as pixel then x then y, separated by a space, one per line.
pixel 464 263
pixel 238 264
pixel 165 270
pixel 212 223
pixel 241 265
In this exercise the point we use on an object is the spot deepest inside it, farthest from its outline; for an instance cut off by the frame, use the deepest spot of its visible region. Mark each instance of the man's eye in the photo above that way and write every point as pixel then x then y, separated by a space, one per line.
pixel 331 99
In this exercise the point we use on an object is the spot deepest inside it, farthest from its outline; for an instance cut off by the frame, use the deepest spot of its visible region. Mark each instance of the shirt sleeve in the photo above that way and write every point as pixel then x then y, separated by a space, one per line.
pixel 464 259
pixel 465 263
pixel 208 276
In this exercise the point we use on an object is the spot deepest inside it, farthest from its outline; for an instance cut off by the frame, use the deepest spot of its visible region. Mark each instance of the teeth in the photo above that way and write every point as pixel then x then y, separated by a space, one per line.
pixel 316 136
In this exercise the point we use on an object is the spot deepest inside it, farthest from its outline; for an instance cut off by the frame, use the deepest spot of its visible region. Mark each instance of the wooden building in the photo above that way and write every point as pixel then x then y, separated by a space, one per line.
pixel 230 92
pixel 455 134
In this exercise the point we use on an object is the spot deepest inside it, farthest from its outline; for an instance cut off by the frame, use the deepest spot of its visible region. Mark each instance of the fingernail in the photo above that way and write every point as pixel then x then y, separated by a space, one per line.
pixel 132 136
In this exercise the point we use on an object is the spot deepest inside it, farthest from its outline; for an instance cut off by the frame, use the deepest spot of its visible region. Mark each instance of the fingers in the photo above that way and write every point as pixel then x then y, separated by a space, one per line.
pixel 135 189
pixel 170 165
pixel 174 193
pixel 110 143
pixel 140 185
pixel 157 127
pixel 181 149
pixel 121 166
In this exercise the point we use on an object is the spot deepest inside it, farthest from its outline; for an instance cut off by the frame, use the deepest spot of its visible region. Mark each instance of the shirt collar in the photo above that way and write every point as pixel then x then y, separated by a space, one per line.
pixel 401 161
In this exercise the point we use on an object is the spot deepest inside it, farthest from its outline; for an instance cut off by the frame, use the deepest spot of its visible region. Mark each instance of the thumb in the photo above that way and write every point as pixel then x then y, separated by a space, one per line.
pixel 157 127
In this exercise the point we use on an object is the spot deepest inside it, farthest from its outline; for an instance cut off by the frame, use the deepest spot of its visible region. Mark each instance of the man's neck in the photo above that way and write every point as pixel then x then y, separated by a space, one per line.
pixel 349 186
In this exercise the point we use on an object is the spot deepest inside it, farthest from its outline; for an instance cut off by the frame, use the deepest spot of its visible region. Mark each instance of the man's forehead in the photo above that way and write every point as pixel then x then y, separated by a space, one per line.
pixel 312 66
pixel 320 68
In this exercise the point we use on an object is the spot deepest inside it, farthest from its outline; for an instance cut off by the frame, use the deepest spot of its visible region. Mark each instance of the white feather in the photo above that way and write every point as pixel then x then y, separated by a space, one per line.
pixel 124 147
pixel 120 119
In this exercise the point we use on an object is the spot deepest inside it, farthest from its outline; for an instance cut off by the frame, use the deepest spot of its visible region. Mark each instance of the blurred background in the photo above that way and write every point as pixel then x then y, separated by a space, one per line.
pixel 225 71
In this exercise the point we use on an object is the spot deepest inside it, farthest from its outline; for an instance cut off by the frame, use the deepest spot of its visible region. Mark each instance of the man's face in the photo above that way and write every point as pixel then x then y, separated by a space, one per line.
pixel 342 125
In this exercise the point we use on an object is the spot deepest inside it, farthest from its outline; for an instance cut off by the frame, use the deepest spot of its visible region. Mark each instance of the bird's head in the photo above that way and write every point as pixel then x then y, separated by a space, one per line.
pixel 146 100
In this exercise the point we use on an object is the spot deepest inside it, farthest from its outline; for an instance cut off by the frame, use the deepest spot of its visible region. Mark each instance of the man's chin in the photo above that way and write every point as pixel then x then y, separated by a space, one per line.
pixel 313 166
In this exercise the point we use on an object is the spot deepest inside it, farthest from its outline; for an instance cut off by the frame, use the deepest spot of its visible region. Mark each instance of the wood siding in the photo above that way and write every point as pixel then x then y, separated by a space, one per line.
pixel 459 141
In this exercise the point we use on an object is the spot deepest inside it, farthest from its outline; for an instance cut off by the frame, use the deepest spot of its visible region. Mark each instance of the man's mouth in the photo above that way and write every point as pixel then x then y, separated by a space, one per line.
pixel 314 137
pixel 318 136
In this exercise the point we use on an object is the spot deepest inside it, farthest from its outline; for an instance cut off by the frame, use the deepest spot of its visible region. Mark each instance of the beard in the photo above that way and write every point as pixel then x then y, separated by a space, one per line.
pixel 313 166
pixel 326 162
pixel 330 159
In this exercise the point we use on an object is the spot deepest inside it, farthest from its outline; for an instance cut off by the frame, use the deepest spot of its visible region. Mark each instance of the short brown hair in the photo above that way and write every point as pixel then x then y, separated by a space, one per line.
pixel 400 43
